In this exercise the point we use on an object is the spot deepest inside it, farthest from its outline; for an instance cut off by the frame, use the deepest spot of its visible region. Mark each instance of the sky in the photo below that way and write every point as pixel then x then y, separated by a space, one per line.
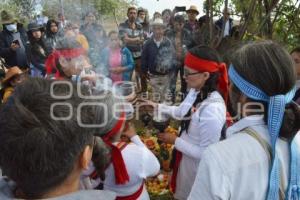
pixel 160 5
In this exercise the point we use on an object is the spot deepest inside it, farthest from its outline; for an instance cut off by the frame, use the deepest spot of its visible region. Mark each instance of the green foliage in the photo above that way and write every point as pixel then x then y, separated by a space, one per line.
pixel 217 4
pixel 75 9
pixel 106 7
pixel 283 22
pixel 14 8
pixel 287 27
pixel 27 7
pixel 282 25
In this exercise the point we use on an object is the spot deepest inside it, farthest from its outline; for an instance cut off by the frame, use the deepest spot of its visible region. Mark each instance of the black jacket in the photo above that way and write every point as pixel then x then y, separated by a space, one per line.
pixel 189 27
pixel 6 38
pixel 187 38
pixel 158 61
pixel 220 23
pixel 37 54
pixel 50 41
pixel 297 96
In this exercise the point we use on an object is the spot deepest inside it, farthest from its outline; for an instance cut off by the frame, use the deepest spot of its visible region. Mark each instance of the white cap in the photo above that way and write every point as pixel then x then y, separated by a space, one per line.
pixel 158 22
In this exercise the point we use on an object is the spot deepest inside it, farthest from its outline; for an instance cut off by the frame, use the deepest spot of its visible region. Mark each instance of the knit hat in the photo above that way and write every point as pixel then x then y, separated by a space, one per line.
pixel 7 18
pixel 34 27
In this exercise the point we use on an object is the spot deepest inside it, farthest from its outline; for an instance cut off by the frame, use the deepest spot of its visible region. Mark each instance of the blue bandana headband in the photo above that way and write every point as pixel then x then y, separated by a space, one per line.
pixel 276 108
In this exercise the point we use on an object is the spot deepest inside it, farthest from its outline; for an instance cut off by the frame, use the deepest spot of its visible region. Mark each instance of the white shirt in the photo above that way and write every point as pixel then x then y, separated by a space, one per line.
pixel 205 129
pixel 140 164
pixel 158 42
pixel 226 29
pixel 238 167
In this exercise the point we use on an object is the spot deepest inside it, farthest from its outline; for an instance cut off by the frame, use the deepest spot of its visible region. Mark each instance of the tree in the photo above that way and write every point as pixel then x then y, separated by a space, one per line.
pixel 264 19
pixel 75 9
pixel 26 7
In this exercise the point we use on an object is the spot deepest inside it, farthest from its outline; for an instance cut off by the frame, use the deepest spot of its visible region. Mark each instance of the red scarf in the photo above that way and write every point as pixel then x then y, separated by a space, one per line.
pixel 121 173
pixel 50 63
pixel 202 65
pixel 134 196
pixel 175 167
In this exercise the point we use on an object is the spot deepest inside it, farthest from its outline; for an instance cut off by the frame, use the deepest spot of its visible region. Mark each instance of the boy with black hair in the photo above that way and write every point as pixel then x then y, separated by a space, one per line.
pixel 43 147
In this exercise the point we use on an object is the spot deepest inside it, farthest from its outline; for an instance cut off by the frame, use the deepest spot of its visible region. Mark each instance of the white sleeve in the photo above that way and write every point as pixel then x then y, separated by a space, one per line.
pixel 150 164
pixel 178 112
pixel 207 128
pixel 210 182
pixel 191 150
pixel 137 140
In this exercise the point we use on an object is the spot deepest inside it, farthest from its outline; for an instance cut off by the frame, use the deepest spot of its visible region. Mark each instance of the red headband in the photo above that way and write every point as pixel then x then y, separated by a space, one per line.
pixel 202 65
pixel 116 129
pixel 50 63
pixel 121 174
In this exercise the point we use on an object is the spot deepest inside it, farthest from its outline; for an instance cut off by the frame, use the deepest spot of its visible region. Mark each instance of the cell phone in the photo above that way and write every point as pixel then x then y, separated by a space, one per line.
pixel 180 8
pixel 16 42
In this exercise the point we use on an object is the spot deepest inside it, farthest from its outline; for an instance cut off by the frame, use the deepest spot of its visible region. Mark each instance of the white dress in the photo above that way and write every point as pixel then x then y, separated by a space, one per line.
pixel 140 164
pixel 238 167
pixel 205 129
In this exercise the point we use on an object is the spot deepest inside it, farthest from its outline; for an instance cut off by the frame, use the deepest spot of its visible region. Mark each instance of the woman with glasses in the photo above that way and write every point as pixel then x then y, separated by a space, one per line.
pixel 260 157
pixel 203 115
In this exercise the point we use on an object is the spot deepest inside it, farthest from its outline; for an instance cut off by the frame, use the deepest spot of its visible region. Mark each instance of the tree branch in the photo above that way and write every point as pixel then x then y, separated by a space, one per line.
pixel 292 22
pixel 248 16
pixel 220 37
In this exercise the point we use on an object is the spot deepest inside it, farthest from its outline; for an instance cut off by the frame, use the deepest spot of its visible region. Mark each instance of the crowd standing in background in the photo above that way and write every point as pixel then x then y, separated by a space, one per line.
pixel 223 149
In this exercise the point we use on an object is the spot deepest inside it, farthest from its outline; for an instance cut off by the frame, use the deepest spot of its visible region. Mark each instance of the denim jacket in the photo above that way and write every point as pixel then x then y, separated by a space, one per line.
pixel 127 61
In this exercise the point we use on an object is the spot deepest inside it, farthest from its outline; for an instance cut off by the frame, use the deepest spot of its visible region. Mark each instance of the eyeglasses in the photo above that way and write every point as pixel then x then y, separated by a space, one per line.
pixel 187 73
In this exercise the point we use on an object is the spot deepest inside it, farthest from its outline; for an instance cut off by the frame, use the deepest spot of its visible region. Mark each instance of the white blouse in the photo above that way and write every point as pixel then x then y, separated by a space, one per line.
pixel 205 128
pixel 238 167
pixel 140 164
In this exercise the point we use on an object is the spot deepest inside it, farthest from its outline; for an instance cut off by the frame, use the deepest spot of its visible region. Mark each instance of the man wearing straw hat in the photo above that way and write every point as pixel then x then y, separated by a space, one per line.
pixel 13 77
pixel 12 41
pixel 192 23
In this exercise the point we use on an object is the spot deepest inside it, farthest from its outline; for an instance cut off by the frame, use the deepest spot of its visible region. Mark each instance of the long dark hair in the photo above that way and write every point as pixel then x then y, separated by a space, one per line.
pixel 48 27
pixel 37 47
pixel 268 66
pixel 211 85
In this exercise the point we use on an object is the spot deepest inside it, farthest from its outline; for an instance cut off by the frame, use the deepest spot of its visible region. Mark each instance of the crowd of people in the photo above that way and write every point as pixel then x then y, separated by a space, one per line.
pixel 61 122
pixel 150 52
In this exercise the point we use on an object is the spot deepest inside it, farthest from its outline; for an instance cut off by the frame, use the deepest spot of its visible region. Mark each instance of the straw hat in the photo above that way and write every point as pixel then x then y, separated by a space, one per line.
pixel 7 18
pixel 158 22
pixel 193 9
pixel 11 72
